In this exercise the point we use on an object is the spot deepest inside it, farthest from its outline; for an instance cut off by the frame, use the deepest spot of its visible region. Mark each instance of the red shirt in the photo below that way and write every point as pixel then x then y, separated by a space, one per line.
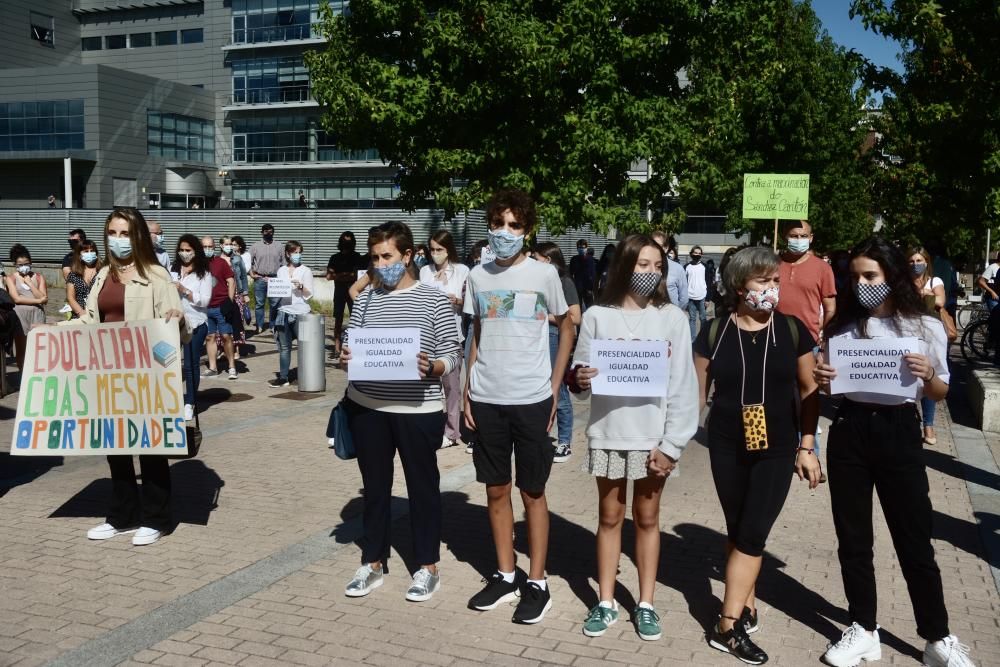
pixel 111 300
pixel 803 288
pixel 221 270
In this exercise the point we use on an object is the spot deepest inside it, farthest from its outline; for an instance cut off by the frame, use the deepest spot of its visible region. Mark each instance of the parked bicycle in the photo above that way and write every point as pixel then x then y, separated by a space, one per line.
pixel 969 312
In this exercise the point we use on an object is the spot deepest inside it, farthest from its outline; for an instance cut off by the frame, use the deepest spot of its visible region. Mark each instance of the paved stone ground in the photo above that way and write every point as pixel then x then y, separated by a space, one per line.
pixel 254 572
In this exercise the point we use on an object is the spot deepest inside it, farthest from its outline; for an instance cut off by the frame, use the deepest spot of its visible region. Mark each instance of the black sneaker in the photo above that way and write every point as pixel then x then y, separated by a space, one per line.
pixel 278 382
pixel 496 592
pixel 562 453
pixel 736 642
pixel 748 620
pixel 534 603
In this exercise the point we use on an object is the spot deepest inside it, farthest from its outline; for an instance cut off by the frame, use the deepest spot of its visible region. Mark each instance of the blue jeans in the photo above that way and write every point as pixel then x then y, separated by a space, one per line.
pixel 564 409
pixel 191 374
pixel 285 334
pixel 928 409
pixel 696 310
pixel 260 296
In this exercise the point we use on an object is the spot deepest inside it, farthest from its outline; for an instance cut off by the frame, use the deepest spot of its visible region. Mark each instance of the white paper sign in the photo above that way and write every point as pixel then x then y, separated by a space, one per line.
pixel 486 255
pixel 362 273
pixel 279 288
pixel 630 367
pixel 873 365
pixel 383 354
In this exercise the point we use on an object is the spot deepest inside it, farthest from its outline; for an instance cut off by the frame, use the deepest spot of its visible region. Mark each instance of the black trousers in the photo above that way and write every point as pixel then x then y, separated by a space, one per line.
pixel 377 437
pixel 127 510
pixel 882 448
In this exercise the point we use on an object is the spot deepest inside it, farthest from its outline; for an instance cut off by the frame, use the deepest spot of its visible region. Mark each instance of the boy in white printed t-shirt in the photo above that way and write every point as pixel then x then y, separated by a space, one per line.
pixel 509 395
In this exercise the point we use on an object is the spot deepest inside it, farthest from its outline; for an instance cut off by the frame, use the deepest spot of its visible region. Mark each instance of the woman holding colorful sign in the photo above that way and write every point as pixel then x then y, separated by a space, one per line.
pixel 761 363
pixel 876 442
pixel 133 286
pixel 638 436
pixel 399 413
pixel 194 286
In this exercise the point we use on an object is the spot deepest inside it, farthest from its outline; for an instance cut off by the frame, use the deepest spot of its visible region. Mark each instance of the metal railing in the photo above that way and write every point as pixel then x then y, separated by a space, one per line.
pixel 298 155
pixel 280 95
pixel 276 33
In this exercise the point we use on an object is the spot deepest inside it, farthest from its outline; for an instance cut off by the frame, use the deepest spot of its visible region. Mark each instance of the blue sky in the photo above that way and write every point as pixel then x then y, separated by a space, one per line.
pixel 852 34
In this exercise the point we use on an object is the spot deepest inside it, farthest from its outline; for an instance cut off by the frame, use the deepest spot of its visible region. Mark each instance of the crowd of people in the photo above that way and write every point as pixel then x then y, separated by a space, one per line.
pixel 505 342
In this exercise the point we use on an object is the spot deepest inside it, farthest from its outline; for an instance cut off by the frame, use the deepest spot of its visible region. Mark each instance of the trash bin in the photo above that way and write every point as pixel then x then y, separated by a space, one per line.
pixel 312 352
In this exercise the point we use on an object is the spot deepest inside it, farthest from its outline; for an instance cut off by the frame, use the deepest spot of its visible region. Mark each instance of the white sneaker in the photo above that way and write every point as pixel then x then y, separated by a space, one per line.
pixel 106 531
pixel 188 412
pixel 947 652
pixel 331 443
pixel 145 536
pixel 232 373
pixel 855 645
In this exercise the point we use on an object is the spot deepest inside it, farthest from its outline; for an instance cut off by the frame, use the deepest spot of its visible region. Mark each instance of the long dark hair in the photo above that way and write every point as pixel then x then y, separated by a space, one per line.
pixel 444 239
pixel 904 299
pixel 551 252
pixel 621 268
pixel 79 266
pixel 143 255
pixel 199 264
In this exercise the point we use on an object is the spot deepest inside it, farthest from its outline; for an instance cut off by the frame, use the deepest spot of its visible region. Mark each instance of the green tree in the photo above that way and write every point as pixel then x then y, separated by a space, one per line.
pixel 941 117
pixel 558 97
pixel 775 94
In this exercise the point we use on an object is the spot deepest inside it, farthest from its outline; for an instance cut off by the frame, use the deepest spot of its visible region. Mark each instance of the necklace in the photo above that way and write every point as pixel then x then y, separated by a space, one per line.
pixel 631 329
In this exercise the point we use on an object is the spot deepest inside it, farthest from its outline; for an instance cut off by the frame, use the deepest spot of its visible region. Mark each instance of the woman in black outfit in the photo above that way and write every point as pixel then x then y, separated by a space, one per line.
pixel 762 364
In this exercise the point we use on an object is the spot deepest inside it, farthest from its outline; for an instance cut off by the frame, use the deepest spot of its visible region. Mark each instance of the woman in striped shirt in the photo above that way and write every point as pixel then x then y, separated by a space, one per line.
pixel 403 415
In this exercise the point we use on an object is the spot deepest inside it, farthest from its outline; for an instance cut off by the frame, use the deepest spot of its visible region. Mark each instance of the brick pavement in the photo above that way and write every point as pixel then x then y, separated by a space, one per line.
pixel 250 576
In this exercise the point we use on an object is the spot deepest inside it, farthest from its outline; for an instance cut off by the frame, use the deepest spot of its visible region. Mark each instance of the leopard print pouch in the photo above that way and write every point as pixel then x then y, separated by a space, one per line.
pixel 754 427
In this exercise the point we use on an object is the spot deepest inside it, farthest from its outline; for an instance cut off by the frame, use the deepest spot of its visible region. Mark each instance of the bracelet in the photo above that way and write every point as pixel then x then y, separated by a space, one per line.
pixel 933 374
pixel 806 449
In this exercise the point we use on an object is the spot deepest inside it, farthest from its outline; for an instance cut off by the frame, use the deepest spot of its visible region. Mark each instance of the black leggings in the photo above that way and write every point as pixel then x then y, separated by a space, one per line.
pixel 752 490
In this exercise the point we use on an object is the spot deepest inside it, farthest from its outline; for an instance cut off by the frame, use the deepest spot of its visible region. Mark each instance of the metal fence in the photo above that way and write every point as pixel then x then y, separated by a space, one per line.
pixel 44 231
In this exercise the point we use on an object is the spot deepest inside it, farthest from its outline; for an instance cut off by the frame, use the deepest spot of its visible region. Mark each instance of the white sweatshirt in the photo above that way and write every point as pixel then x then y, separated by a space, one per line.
pixel 635 423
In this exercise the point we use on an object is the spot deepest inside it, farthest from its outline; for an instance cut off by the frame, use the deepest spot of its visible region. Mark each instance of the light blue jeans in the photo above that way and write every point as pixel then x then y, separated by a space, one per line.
pixel 928 409
pixel 285 333
pixel 696 311
pixel 564 409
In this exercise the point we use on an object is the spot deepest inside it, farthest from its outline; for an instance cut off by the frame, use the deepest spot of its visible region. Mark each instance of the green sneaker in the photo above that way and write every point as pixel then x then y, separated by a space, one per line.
pixel 647 623
pixel 599 619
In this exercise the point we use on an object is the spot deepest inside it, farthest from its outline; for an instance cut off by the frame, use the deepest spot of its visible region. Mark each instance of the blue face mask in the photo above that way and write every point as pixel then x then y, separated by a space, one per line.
pixel 420 261
pixel 120 246
pixel 392 274
pixel 798 245
pixel 918 269
pixel 504 244
pixel 210 252
pixel 581 251
pixel 296 258
pixel 88 257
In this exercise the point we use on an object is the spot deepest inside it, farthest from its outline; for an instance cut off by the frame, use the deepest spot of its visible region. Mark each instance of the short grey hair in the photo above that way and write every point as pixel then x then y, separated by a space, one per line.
pixel 744 265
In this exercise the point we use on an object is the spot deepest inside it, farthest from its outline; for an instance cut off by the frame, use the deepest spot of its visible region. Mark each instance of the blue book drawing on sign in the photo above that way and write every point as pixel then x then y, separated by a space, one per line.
pixel 164 353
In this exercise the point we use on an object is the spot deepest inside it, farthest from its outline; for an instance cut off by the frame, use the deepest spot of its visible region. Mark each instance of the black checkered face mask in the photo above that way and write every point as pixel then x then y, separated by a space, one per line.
pixel 644 284
pixel 871 296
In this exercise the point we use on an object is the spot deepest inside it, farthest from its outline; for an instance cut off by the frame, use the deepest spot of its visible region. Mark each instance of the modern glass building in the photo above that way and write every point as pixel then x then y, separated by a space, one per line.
pixel 171 104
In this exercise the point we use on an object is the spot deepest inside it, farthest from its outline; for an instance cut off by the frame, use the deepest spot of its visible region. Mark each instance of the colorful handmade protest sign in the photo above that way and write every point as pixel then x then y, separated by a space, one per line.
pixel 776 196
pixel 102 389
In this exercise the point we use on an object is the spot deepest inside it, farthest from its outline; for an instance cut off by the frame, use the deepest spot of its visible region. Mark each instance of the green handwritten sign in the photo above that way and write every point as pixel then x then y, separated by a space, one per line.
pixel 776 196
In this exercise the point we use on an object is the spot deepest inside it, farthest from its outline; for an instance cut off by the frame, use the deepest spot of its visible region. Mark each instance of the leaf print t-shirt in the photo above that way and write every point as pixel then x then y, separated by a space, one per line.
pixel 512 304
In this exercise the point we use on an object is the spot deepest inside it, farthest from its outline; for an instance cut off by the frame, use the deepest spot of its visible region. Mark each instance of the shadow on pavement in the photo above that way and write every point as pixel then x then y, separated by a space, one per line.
pixel 194 495
pixel 949 465
pixel 196 490
pixel 966 535
pixel 18 470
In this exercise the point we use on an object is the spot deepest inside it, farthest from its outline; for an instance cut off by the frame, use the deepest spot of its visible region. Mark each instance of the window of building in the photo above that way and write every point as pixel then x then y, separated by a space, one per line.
pixel 330 192
pixel 166 38
pixel 263 21
pixel 140 40
pixel 192 36
pixel 270 80
pixel 285 139
pixel 41 126
pixel 115 42
pixel 43 28
pixel 91 43
pixel 178 137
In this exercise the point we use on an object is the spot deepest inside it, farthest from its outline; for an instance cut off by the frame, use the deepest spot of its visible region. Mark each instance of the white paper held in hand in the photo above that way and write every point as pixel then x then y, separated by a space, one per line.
pixel 279 288
pixel 383 354
pixel 873 366
pixel 630 367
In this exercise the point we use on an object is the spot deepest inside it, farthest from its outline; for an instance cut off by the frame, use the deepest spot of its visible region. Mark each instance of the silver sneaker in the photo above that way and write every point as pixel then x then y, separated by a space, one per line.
pixel 423 586
pixel 365 580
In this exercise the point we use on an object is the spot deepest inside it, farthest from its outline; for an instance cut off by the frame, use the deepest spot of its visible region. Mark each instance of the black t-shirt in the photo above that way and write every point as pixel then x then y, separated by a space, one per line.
pixel 781 386
pixel 67 260
pixel 346 262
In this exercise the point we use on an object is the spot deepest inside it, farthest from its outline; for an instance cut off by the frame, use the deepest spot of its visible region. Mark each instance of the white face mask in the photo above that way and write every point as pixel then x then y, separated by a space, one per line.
pixel 24 269
pixel 228 249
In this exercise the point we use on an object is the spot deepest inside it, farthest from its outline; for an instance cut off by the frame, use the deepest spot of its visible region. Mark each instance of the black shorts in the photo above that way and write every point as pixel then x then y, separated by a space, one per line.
pixel 521 430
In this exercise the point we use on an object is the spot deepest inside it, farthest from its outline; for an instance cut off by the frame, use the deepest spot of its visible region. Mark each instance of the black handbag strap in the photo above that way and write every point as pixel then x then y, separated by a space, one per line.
pixel 368 302
pixel 192 361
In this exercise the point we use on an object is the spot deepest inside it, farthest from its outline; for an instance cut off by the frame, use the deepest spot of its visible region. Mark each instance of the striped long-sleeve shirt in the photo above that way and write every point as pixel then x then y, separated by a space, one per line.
pixel 422 307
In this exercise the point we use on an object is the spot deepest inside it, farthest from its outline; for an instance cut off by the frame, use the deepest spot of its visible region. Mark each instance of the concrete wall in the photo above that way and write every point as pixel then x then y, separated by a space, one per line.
pixel 17 49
